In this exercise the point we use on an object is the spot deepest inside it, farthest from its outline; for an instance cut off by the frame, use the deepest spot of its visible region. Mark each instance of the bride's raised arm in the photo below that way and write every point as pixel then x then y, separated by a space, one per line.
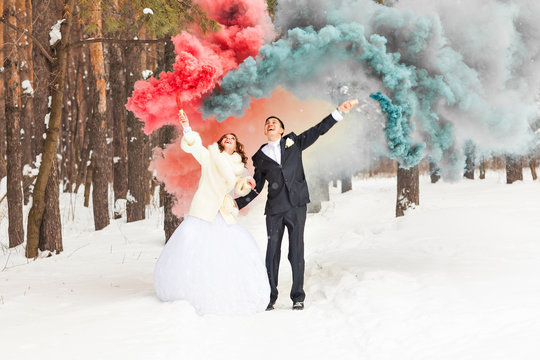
pixel 191 141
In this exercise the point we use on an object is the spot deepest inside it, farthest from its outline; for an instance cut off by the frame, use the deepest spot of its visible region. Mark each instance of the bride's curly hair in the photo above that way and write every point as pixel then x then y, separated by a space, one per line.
pixel 239 147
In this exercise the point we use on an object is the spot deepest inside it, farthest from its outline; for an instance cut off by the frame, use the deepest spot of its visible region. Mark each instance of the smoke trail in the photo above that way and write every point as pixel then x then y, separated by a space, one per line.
pixel 297 57
pixel 452 90
pixel 397 132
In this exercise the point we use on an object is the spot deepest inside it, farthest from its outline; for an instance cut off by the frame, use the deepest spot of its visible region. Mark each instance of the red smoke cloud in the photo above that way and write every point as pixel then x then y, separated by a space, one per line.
pixel 201 61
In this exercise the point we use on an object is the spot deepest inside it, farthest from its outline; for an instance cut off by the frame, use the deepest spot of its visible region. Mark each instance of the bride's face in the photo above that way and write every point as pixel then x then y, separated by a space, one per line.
pixel 229 143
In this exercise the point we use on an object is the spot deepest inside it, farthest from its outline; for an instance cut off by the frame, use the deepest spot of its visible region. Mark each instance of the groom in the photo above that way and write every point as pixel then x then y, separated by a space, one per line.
pixel 280 163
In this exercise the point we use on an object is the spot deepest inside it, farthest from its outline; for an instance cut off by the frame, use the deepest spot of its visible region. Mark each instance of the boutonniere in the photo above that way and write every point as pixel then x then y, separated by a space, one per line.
pixel 289 142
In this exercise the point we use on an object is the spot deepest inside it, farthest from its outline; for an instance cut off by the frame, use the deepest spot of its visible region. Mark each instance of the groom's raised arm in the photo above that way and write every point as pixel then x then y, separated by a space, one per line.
pixel 308 137
pixel 259 178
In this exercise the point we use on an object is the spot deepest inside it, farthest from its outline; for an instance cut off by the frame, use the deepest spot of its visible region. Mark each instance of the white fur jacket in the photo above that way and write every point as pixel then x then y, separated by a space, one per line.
pixel 220 174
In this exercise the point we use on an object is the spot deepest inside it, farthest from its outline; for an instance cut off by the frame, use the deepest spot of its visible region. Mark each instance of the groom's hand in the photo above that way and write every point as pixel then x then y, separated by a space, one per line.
pixel 347 106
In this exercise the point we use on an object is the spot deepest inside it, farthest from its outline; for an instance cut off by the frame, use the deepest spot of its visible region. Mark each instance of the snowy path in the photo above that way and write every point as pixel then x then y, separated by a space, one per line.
pixel 457 278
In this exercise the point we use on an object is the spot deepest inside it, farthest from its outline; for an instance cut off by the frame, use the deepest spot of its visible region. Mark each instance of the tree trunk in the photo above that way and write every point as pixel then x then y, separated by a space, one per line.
pixel 532 166
pixel 119 98
pixel 346 183
pixel 167 135
pixel 84 112
pixel 408 189
pixel 49 149
pixel 50 231
pixel 100 160
pixel 24 51
pixel 88 183
pixel 514 169
pixel 171 222
pixel 434 171
pixel 3 125
pixel 319 192
pixel 13 130
pixel 135 143
pixel 469 160
pixel 45 18
pixel 3 169
pixel 69 159
pixel 482 169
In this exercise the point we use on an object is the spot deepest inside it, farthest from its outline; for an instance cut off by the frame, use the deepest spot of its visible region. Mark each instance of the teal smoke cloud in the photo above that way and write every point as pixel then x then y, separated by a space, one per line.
pixel 449 88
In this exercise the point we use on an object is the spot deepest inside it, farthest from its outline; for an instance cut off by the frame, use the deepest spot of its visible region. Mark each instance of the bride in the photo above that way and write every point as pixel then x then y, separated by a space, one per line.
pixel 209 260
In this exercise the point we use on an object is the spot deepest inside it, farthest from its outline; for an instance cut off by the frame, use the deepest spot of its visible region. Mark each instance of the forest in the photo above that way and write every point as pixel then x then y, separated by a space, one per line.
pixel 68 70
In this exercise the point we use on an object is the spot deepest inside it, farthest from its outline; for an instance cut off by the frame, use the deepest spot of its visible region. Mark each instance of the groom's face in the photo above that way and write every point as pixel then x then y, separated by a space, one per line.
pixel 273 127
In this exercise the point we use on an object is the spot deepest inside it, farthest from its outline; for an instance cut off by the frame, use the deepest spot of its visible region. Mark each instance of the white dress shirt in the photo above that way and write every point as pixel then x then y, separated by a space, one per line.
pixel 273 149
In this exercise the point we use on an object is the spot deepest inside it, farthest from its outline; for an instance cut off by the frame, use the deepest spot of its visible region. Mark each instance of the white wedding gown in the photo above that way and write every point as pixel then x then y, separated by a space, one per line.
pixel 216 267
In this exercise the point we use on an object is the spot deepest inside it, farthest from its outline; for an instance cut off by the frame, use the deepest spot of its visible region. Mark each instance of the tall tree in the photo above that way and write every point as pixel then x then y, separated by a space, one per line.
pixel 45 15
pixel 24 17
pixel 98 135
pixel 118 97
pixel 2 103
pixel 408 189
pixel 13 114
pixel 135 142
pixel 49 148
pixel 167 135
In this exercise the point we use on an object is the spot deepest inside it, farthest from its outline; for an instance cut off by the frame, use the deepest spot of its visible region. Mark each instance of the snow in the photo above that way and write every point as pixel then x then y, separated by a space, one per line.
pixel 29 171
pixel 148 11
pixel 55 35
pixel 130 198
pixel 27 87
pixel 147 73
pixel 456 278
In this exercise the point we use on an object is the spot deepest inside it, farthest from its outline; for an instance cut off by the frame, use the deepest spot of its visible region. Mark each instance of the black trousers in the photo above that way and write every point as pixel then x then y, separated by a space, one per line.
pixel 294 220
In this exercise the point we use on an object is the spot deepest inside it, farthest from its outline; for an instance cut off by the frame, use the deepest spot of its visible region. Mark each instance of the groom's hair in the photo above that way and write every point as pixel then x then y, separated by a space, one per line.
pixel 278 119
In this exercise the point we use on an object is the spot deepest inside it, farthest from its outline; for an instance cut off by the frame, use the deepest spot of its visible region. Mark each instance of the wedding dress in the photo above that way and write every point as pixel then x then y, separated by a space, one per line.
pixel 210 261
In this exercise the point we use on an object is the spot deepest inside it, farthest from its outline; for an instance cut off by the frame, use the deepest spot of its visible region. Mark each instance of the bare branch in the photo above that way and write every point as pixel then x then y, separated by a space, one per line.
pixel 118 41
pixel 29 34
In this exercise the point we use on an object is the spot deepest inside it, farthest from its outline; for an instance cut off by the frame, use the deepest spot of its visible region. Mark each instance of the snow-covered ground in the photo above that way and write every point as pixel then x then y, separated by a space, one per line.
pixel 457 278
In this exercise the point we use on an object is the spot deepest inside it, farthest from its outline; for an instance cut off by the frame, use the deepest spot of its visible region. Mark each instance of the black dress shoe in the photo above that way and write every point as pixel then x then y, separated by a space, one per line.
pixel 270 306
pixel 298 305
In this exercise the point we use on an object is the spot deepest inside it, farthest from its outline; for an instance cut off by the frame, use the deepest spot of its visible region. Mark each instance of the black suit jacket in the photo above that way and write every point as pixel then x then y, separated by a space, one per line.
pixel 287 185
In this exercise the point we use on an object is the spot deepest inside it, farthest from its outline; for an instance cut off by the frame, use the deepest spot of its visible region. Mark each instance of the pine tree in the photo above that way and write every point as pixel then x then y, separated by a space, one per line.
pixel 98 125
pixel 13 116
pixel 49 149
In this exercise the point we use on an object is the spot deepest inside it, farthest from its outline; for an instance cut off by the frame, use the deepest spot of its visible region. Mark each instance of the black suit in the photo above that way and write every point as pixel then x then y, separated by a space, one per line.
pixel 286 204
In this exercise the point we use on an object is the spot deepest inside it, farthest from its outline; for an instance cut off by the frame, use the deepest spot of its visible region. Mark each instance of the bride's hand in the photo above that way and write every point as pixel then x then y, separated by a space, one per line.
pixel 182 117
pixel 251 183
